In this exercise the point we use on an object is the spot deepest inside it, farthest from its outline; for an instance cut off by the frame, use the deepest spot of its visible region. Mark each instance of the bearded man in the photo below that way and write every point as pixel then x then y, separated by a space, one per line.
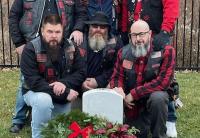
pixel 99 52
pixel 52 74
pixel 143 76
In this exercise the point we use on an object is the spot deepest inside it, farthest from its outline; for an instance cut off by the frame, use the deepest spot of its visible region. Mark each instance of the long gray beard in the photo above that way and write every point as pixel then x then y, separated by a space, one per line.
pixel 140 51
pixel 97 42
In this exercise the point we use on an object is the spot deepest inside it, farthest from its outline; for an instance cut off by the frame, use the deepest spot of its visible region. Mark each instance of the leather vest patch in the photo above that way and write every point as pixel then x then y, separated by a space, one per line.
pixel 69 2
pixel 127 64
pixel 82 52
pixel 41 57
pixel 156 54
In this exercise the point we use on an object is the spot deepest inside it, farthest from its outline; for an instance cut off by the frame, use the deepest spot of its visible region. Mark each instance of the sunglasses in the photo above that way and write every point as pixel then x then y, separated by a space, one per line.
pixel 100 26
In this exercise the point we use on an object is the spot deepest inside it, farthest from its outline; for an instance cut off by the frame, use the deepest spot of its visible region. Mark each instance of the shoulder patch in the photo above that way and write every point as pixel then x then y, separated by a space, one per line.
pixel 127 64
pixel 156 54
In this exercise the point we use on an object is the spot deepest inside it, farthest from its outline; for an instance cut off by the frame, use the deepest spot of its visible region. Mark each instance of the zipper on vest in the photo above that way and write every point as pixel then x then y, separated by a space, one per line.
pixel 37 33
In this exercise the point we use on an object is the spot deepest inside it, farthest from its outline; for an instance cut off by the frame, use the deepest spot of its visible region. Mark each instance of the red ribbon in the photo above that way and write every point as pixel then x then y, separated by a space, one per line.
pixel 85 132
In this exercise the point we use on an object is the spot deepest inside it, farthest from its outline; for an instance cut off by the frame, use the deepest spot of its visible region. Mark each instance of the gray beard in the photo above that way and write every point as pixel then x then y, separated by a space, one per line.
pixel 140 51
pixel 97 43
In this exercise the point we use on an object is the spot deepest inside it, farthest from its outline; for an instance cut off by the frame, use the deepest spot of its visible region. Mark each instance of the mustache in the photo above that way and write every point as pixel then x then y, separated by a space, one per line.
pixel 97 32
pixel 53 41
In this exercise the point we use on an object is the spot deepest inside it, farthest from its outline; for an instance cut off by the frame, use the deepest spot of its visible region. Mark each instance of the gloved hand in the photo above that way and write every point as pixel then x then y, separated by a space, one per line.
pixel 161 40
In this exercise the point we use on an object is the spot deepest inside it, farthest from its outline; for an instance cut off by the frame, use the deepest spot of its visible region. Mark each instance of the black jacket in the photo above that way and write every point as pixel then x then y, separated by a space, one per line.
pixel 36 82
pixel 100 65
pixel 17 11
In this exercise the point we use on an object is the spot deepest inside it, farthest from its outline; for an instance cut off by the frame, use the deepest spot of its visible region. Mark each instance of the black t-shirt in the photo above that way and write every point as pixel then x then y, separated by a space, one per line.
pixel 94 61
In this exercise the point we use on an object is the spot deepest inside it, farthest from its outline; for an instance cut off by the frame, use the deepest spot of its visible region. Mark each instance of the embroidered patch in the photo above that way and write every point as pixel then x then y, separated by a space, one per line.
pixel 156 65
pixel 50 72
pixel 82 52
pixel 41 57
pixel 41 67
pixel 69 2
pixel 156 54
pixel 127 64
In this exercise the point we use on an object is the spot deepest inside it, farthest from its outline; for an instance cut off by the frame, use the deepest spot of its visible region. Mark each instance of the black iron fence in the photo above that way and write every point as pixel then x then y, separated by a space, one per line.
pixel 186 37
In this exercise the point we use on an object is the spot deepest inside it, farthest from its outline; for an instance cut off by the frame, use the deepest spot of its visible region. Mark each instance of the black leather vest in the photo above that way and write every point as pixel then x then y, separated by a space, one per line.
pixel 152 13
pixel 151 70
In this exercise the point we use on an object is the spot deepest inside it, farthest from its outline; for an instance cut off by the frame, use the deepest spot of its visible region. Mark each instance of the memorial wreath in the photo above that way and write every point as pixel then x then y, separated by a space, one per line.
pixel 77 124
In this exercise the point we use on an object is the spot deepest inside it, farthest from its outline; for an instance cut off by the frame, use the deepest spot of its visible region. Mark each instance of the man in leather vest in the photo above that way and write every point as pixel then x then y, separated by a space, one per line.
pixel 142 76
pixel 24 25
pixel 99 52
pixel 52 74
pixel 161 15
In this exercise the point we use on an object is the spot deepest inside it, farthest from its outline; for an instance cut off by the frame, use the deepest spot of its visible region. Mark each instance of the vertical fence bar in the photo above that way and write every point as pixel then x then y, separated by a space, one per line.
pixel 191 35
pixel 184 40
pixel 176 41
pixel 2 33
pixel 198 40
pixel 10 47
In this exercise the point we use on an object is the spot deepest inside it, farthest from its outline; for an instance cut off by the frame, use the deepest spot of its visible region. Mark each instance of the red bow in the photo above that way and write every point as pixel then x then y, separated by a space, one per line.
pixel 85 132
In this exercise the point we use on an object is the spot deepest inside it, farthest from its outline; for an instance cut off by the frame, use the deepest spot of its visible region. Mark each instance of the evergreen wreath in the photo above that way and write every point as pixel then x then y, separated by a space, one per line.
pixel 77 124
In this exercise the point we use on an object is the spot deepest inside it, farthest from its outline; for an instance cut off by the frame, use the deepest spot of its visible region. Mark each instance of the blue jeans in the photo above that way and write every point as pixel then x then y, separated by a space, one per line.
pixel 171 112
pixel 43 109
pixel 20 108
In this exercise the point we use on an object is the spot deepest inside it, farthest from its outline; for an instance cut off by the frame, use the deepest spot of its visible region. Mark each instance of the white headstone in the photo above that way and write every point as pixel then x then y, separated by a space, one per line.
pixel 105 103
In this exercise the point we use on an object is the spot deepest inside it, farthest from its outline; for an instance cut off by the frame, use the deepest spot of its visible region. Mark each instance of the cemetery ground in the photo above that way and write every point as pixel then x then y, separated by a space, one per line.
pixel 188 116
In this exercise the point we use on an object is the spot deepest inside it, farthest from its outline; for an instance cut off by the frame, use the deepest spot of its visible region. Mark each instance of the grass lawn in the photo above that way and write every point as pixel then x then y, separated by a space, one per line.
pixel 188 124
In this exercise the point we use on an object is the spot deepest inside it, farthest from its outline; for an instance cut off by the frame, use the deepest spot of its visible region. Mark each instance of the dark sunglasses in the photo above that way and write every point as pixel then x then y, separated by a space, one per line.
pixel 100 26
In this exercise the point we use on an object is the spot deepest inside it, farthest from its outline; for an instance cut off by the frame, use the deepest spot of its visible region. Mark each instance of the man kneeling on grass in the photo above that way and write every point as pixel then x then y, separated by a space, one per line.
pixel 142 76
pixel 52 74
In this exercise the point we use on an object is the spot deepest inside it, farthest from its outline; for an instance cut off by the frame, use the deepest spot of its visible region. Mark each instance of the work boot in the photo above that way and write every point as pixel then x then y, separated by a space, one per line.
pixel 15 128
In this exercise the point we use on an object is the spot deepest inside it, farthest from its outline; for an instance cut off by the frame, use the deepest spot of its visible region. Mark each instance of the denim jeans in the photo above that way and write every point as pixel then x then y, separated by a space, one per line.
pixel 171 112
pixel 20 108
pixel 43 109
pixel 153 117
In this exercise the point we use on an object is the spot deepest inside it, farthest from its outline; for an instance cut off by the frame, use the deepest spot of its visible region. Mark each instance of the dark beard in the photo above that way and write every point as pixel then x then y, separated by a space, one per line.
pixel 53 53
pixel 52 50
